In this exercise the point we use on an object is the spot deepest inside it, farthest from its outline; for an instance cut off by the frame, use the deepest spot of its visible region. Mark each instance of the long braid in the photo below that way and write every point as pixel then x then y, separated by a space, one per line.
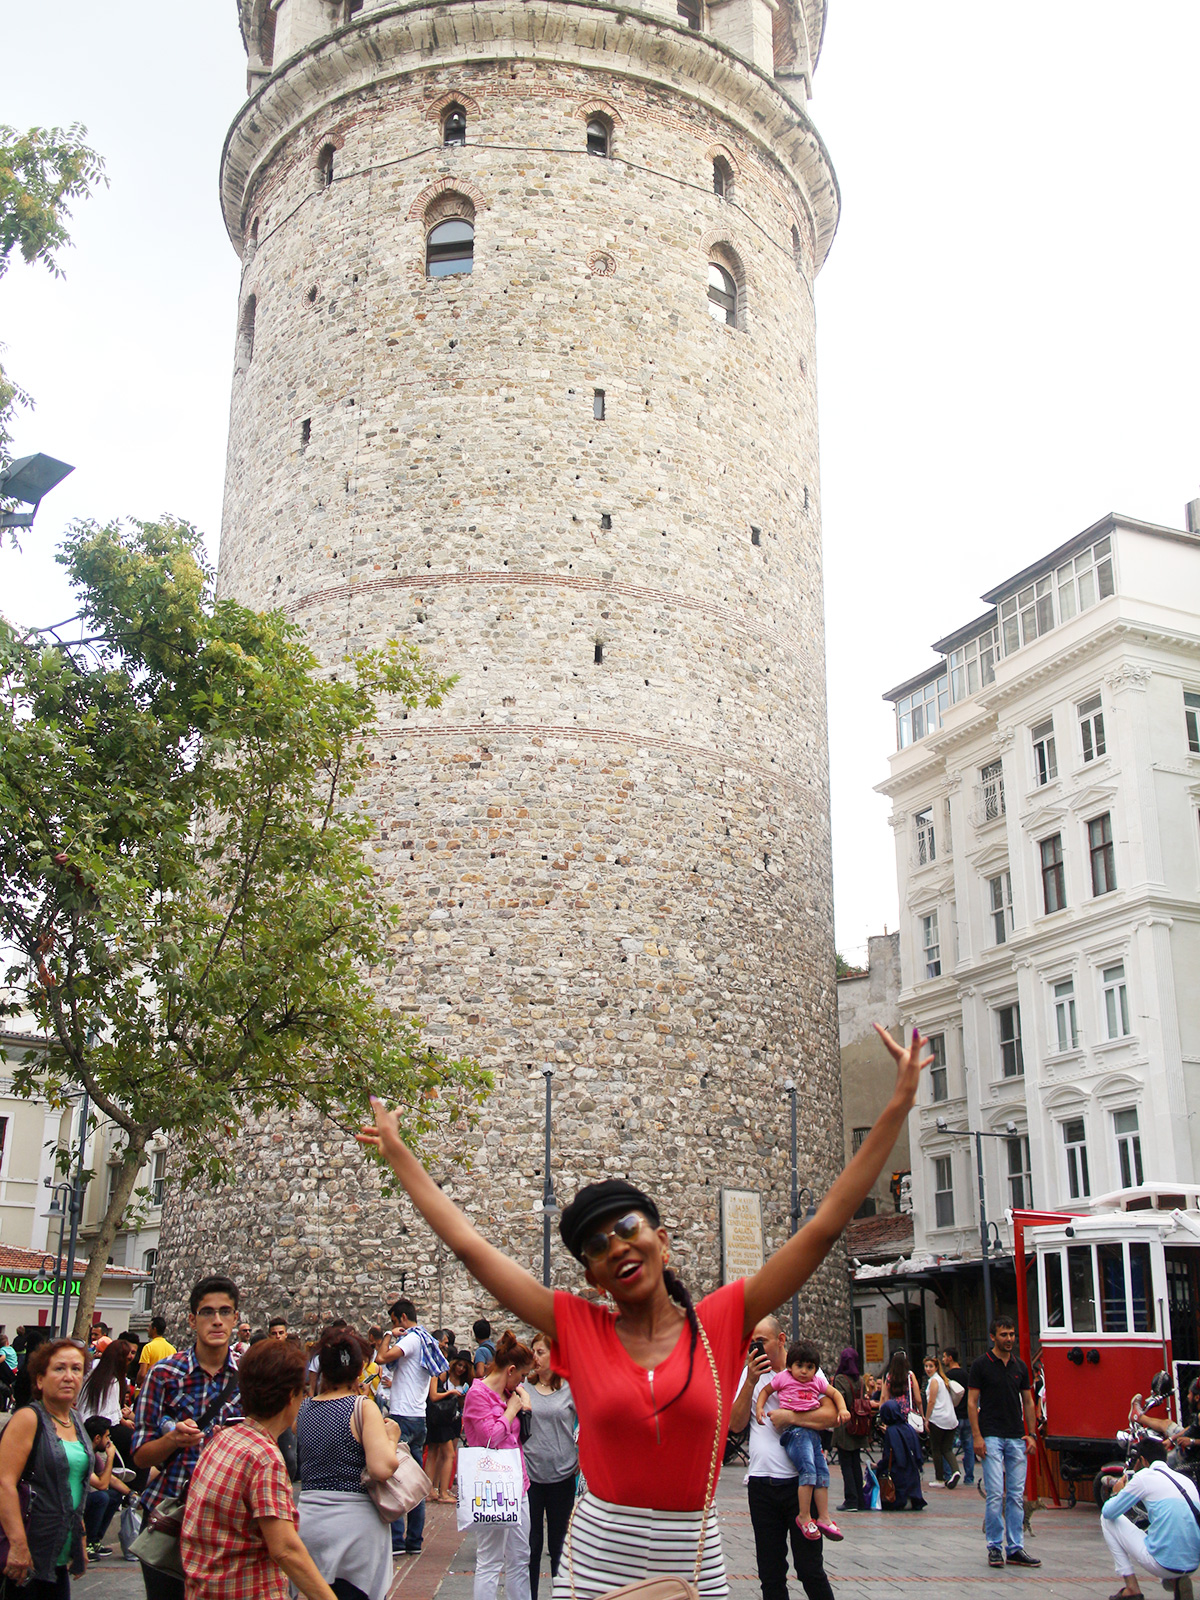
pixel 675 1288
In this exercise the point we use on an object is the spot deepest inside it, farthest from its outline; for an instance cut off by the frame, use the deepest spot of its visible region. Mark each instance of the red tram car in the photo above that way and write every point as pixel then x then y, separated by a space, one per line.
pixel 1118 1300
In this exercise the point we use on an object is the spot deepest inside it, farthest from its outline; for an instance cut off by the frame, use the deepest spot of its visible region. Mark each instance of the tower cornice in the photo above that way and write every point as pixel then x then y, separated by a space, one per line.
pixel 394 42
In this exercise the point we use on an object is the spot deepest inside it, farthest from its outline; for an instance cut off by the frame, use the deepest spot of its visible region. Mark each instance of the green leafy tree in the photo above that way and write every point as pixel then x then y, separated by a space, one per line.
pixel 182 866
pixel 41 170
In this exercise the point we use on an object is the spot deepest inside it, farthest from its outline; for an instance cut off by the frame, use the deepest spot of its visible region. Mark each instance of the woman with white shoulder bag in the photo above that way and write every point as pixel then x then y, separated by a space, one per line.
pixel 491 1420
pixel 942 1422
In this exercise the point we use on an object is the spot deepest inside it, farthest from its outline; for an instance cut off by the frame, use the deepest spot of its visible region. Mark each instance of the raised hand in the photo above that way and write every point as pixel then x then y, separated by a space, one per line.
pixel 383 1134
pixel 909 1063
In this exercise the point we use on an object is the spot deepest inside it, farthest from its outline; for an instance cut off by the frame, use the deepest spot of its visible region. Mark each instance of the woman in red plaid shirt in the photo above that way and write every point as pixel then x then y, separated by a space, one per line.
pixel 239 1539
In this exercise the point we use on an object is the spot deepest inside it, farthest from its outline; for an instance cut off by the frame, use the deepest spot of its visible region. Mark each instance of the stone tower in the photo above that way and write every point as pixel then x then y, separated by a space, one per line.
pixel 525 372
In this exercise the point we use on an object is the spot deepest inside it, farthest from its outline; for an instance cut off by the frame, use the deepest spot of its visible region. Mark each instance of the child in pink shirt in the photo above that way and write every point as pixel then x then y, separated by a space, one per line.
pixel 800 1387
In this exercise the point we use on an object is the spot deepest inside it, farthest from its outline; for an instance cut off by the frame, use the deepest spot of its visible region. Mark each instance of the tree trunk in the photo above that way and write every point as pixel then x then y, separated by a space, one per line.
pixel 102 1243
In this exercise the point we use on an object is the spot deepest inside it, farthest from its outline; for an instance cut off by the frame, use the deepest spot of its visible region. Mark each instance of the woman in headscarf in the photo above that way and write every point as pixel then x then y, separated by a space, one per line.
pixel 849 1446
pixel 900 1458
pixel 653 1379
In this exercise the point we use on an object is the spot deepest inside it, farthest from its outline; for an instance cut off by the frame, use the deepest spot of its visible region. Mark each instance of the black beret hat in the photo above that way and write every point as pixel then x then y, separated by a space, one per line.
pixel 596 1201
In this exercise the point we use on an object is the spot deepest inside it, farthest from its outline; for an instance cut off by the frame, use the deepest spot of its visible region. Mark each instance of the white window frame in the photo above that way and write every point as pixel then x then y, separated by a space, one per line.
pixel 1085 581
pixel 991 792
pixel 158 1177
pixel 920 713
pixel 973 665
pixel 938 1071
pixel 1045 754
pixel 1001 907
pixel 943 1191
pixel 150 1265
pixel 1114 1001
pixel 1066 1026
pixel 1075 1158
pixel 1020 1198
pixel 1191 720
pixel 931 945
pixel 1054 869
pixel 1129 1148
pixel 1090 715
pixel 1106 850
pixel 1013 1044
pixel 924 838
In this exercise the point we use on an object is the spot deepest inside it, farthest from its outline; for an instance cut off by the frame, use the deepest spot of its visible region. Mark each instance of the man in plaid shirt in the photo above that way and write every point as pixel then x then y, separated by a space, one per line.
pixel 175 1395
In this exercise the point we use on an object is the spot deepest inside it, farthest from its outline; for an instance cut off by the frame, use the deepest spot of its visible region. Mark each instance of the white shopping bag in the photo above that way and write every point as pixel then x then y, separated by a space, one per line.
pixel 490 1486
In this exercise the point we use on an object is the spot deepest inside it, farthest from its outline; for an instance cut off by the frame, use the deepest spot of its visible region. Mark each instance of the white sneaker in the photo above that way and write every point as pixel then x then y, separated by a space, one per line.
pixel 953 1481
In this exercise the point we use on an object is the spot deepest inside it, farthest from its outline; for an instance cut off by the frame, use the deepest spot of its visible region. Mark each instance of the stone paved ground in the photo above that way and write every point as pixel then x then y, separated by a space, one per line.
pixel 939 1553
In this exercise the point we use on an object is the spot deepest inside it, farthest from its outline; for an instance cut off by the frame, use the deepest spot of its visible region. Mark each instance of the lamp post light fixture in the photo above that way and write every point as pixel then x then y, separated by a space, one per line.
pixel 979 1135
pixel 58 1209
pixel 549 1203
pixel 28 480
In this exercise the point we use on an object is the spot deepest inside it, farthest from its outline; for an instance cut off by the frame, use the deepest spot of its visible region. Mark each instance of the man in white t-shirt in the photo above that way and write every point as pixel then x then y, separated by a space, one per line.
pixel 406 1402
pixel 771 1484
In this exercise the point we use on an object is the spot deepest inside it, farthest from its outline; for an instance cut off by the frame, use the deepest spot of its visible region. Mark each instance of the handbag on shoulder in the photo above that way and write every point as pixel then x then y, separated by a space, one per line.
pixel 667 1587
pixel 406 1487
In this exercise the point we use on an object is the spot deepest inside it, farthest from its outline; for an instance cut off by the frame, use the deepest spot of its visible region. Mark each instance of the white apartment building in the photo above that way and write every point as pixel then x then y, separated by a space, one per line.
pixel 1046 808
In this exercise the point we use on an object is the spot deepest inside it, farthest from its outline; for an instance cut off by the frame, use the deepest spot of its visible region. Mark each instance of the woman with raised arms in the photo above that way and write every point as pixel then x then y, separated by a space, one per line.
pixel 653 1379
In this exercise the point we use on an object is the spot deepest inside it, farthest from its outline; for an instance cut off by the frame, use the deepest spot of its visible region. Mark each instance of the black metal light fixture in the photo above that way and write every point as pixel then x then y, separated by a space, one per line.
pixel 29 479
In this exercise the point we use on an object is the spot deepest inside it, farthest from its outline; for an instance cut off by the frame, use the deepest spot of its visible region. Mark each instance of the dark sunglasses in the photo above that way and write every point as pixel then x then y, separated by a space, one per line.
pixel 627 1227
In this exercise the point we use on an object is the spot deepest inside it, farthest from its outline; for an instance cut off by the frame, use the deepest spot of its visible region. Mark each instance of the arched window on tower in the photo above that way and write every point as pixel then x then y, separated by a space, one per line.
pixel 454 126
pixel 688 12
pixel 722 295
pixel 325 166
pixel 797 249
pixel 245 340
pixel 599 136
pixel 722 178
pixel 450 248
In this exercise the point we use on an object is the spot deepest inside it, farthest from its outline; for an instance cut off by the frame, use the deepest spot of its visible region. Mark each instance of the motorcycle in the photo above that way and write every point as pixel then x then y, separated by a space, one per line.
pixel 1183 1456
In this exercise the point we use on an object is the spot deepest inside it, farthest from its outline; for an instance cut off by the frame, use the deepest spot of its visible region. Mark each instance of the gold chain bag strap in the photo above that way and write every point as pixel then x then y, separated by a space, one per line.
pixel 668 1588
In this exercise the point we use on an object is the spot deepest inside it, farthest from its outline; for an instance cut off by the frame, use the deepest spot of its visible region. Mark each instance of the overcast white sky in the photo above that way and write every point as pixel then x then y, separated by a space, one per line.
pixel 1007 322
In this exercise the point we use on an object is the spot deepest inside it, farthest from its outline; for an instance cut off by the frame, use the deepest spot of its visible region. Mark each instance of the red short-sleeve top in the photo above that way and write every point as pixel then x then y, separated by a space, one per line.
pixel 635 1447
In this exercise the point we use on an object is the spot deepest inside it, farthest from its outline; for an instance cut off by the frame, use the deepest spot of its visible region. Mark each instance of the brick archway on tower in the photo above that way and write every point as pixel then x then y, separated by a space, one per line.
pixel 447 186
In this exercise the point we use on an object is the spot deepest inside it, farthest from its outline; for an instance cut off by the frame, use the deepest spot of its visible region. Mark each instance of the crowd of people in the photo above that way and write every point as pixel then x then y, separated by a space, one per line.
pixel 255 1460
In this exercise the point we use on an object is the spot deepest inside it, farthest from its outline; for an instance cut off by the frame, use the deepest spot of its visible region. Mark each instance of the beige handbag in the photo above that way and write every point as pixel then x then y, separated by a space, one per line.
pixel 407 1486
pixel 668 1588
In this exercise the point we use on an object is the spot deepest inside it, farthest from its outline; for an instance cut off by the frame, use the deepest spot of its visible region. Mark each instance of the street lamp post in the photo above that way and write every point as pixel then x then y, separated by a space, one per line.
pixel 985 1255
pixel 76 1207
pixel 57 1205
pixel 790 1085
pixel 549 1203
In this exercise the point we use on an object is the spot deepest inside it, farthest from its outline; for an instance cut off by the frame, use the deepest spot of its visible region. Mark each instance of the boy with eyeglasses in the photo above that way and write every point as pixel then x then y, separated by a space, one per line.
pixel 198 1385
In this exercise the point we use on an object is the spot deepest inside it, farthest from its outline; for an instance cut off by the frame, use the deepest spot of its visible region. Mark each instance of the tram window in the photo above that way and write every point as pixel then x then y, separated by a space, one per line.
pixel 1082 1283
pixel 1141 1287
pixel 1110 1262
pixel 1054 1291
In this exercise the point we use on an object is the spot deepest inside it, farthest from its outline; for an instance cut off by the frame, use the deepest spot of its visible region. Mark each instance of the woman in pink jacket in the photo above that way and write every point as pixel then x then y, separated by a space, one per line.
pixel 489 1422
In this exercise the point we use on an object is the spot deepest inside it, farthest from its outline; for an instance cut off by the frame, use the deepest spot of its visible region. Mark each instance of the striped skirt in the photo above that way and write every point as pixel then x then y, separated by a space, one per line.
pixel 609 1546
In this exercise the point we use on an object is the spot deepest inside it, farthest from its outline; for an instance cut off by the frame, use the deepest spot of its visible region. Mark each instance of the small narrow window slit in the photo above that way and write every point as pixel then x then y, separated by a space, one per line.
pixel 599 656
pixel 305 434
pixel 325 166
pixel 606 519
pixel 755 534
pixel 454 126
pixel 598 405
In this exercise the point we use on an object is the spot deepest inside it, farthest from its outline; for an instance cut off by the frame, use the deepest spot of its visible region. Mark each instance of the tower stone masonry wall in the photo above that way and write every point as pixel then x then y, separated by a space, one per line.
pixel 610 846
